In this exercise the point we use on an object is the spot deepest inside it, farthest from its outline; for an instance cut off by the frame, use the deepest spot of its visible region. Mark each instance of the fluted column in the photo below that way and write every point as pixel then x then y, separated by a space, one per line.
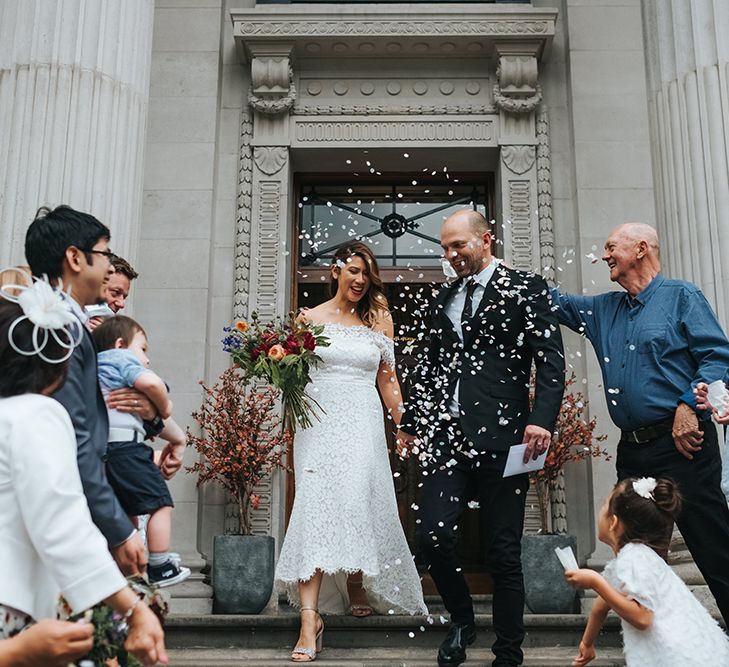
pixel 74 89
pixel 687 44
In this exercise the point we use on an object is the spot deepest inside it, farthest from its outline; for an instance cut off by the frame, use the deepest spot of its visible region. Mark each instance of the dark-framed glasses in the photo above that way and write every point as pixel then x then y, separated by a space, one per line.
pixel 106 253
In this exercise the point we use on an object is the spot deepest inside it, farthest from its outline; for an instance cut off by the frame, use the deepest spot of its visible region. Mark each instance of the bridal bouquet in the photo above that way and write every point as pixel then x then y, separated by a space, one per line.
pixel 282 353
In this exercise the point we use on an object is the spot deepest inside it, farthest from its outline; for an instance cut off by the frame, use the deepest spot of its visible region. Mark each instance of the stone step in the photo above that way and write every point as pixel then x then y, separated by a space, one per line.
pixel 381 657
pixel 279 631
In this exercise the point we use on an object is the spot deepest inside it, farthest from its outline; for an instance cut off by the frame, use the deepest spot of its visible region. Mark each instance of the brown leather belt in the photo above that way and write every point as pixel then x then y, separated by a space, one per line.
pixel 647 433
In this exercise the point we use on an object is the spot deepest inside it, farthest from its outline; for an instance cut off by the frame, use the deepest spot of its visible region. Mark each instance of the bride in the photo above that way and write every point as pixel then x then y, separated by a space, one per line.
pixel 344 548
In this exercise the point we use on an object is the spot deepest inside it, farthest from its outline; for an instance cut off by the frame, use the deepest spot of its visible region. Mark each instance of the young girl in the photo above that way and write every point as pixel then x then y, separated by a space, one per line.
pixel 663 623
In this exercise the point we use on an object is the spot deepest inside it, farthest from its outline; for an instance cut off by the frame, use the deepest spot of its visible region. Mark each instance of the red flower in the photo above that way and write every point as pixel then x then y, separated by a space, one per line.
pixel 258 351
pixel 309 341
pixel 292 345
pixel 269 338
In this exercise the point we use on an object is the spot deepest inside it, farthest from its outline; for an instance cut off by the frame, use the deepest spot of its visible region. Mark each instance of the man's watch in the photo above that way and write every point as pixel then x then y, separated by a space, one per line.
pixel 153 427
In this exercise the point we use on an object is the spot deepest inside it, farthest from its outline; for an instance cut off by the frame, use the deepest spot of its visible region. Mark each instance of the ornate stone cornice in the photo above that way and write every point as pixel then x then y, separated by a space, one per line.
pixel 392 110
pixel 431 28
pixel 401 23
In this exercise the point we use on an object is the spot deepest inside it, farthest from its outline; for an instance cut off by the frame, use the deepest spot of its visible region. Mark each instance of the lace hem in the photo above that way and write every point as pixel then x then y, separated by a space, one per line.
pixel 380 602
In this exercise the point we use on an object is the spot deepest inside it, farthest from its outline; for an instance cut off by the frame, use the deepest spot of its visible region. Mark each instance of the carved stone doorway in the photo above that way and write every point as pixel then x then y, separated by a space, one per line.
pixel 399 215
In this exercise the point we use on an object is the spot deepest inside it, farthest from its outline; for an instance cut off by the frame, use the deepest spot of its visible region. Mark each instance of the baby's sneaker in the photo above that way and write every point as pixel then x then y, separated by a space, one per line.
pixel 168 573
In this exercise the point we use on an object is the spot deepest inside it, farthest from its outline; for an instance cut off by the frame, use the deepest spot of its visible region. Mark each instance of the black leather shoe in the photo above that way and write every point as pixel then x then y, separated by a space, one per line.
pixel 453 649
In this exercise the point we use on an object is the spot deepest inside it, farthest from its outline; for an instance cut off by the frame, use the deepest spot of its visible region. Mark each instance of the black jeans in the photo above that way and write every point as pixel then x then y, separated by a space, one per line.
pixel 444 495
pixel 704 520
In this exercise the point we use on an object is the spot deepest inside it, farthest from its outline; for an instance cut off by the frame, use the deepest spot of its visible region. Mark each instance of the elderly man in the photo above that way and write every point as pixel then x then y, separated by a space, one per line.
pixel 471 402
pixel 654 341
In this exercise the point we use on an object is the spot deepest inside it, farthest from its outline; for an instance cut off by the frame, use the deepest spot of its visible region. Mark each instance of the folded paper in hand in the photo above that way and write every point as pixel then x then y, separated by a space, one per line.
pixel 719 396
pixel 567 558
pixel 515 461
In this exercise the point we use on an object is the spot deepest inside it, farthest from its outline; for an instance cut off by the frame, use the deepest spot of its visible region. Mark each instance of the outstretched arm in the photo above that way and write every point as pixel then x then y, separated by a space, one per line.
pixel 629 610
pixel 544 339
pixel 587 645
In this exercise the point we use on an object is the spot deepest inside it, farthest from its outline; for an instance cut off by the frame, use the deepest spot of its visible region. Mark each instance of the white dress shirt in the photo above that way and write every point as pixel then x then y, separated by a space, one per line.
pixel 454 309
pixel 48 543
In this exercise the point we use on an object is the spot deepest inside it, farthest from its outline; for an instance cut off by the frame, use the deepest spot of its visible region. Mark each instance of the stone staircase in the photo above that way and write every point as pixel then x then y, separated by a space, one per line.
pixel 197 638
pixel 265 640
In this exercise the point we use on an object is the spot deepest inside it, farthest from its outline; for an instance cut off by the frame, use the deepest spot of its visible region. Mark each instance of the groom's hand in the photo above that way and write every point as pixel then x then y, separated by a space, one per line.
pixel 404 443
pixel 537 440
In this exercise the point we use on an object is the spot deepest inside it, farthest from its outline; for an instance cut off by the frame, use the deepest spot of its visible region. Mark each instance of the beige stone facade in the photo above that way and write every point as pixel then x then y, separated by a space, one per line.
pixel 580 113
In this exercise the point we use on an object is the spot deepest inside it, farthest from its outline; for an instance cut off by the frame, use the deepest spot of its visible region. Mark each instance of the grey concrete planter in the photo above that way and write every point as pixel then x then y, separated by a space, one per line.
pixel 547 592
pixel 243 567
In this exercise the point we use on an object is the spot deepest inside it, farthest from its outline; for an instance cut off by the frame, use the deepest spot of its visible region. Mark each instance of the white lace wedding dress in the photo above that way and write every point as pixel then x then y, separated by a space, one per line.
pixel 345 516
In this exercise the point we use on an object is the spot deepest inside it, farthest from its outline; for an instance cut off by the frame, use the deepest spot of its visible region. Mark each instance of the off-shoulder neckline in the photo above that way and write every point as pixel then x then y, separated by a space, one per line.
pixel 350 327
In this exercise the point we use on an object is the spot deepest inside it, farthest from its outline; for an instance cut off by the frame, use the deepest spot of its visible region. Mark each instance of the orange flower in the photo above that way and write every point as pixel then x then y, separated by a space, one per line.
pixel 277 352
pixel 241 326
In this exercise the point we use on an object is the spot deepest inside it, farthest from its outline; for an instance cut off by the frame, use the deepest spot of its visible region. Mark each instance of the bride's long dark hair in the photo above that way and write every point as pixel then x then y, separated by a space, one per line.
pixel 373 304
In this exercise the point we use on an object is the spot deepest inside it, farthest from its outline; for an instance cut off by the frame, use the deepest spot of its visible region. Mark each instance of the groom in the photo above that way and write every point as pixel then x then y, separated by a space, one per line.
pixel 470 402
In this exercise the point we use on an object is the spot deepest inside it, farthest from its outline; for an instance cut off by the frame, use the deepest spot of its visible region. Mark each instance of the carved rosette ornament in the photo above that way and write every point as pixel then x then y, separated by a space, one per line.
pixel 272 85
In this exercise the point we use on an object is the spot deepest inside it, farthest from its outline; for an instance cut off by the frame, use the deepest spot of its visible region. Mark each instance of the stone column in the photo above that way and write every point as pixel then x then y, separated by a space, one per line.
pixel 74 85
pixel 517 95
pixel 264 234
pixel 687 45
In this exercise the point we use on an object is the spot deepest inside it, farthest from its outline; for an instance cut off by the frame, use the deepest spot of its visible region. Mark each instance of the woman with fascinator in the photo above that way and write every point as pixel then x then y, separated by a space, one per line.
pixel 42 498
pixel 345 549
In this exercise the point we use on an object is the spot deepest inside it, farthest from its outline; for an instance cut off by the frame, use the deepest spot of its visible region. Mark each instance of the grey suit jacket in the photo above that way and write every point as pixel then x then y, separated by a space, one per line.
pixel 81 396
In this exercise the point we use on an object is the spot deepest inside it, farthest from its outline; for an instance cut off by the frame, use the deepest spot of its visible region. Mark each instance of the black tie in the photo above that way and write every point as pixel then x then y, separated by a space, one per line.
pixel 466 312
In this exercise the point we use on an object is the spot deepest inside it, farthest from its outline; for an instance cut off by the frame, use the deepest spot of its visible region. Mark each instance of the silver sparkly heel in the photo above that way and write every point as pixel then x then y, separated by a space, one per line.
pixel 310 654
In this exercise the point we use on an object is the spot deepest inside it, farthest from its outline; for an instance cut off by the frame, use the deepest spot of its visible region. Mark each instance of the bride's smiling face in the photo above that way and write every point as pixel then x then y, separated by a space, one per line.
pixel 353 279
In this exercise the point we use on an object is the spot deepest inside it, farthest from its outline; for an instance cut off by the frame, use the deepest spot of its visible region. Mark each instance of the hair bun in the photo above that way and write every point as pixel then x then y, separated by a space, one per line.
pixel 668 497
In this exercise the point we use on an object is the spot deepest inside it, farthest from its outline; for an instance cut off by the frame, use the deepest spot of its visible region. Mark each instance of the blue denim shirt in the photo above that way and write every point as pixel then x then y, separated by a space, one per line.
pixel 652 348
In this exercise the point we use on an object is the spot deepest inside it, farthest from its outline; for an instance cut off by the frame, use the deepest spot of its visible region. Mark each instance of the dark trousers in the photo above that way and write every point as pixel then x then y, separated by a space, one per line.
pixel 704 520
pixel 444 495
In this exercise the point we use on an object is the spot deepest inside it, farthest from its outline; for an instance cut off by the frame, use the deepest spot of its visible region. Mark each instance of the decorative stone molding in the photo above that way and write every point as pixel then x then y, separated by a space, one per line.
pixel 270 159
pixel 520 207
pixel 544 197
pixel 273 90
pixel 323 132
pixel 243 219
pixel 517 105
pixel 392 110
pixel 275 102
pixel 518 159
pixel 387 29
pixel 517 89
pixel 246 24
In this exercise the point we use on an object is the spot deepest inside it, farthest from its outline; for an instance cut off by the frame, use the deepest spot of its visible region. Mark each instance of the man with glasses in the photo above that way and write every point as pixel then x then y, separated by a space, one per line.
pixel 73 248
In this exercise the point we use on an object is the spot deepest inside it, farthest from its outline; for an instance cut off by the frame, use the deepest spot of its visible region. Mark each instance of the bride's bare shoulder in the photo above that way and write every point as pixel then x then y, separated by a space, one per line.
pixel 384 323
pixel 313 315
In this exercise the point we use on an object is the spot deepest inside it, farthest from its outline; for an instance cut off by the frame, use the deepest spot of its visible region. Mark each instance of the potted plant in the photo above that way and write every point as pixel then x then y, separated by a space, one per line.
pixel 241 443
pixel 573 440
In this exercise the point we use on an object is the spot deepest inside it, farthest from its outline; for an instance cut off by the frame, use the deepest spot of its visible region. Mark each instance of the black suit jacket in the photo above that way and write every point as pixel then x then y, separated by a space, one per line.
pixel 513 326
pixel 82 398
